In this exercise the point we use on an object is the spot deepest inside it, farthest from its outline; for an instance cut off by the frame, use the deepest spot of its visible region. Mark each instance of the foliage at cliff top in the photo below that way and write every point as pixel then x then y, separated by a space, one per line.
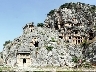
pixel 40 25
pixel 76 6
pixel 6 42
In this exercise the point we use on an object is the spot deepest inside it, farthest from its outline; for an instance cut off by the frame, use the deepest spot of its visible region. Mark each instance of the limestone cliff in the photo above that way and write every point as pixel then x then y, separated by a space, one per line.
pixel 74 21
pixel 50 51
pixel 59 41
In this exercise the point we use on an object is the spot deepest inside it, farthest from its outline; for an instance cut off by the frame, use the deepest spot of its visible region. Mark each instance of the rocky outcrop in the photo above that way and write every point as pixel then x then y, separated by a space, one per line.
pixel 73 19
pixel 1 61
pixel 52 45
pixel 51 50
pixel 91 53
pixel 83 14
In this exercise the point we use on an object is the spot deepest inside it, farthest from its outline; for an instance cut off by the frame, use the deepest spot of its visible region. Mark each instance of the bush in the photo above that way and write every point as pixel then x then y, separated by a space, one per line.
pixel 52 40
pixel 6 42
pixel 64 6
pixel 49 48
pixel 51 12
pixel 40 25
pixel 75 59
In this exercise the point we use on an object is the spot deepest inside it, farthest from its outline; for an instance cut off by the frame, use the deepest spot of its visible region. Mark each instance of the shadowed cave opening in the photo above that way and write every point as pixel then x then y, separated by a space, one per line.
pixel 24 60
pixel 36 44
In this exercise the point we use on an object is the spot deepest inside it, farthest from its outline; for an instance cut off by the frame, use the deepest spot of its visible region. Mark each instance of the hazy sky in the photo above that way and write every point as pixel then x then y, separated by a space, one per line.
pixel 14 14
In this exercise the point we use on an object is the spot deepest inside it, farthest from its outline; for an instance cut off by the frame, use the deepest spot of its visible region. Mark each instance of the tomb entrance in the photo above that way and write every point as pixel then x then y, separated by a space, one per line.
pixel 23 58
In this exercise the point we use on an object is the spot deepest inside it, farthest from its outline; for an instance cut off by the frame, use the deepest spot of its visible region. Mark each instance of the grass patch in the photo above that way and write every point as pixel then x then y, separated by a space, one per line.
pixel 5 69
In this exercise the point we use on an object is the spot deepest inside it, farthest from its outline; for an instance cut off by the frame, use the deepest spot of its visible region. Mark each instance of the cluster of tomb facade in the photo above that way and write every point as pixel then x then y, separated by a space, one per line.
pixel 75 35
pixel 36 39
pixel 72 33
pixel 65 25
pixel 29 28
pixel 32 38
pixel 72 27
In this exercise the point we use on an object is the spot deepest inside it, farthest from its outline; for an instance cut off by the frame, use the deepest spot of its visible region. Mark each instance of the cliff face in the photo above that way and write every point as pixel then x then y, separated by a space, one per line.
pixel 73 19
pixel 59 41
pixel 75 23
pixel 50 51
pixel 82 13
pixel 1 60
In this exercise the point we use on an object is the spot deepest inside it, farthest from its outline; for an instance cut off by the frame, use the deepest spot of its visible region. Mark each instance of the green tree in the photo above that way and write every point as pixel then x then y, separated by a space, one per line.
pixel 64 5
pixel 40 25
pixel 51 12
pixel 6 42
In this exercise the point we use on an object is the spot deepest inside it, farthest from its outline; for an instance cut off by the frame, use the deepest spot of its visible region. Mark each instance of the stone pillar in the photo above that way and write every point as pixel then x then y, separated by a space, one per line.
pixel 77 40
pixel 73 40
pixel 15 53
pixel 80 39
pixel 59 26
pixel 66 38
pixel 63 36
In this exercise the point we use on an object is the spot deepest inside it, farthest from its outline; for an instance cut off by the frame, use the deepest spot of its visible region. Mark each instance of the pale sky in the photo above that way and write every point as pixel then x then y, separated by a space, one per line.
pixel 14 14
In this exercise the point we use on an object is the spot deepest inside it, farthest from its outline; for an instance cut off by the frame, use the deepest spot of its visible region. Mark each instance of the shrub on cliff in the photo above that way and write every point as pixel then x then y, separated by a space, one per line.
pixel 40 25
pixel 51 12
pixel 6 42
pixel 84 45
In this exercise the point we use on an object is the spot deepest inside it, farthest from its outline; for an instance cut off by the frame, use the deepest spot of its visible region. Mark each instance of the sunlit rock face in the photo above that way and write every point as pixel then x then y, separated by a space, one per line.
pixel 57 42
pixel 39 47
pixel 74 21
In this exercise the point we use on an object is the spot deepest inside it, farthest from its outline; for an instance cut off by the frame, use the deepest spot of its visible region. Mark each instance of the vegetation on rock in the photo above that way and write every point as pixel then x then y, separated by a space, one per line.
pixel 52 39
pixel 51 12
pixel 75 59
pixel 6 42
pixel 49 48
pixel 84 45
pixel 40 25
pixel 76 6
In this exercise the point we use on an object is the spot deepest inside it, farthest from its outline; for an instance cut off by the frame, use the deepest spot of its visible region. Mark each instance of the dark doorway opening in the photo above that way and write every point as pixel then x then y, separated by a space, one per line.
pixel 81 41
pixel 69 37
pixel 31 30
pixel 61 37
pixel 91 34
pixel 24 60
pixel 76 41
pixel 90 38
pixel 36 44
pixel 76 32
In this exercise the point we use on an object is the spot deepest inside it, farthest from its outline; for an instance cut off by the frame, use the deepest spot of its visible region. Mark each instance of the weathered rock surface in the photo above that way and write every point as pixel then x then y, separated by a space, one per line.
pixel 1 61
pixel 45 45
pixel 59 55
pixel 74 20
